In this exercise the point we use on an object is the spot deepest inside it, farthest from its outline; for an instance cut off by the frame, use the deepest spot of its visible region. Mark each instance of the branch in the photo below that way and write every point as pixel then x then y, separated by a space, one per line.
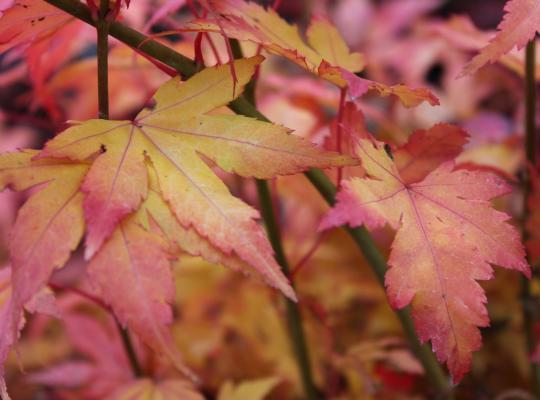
pixel 360 235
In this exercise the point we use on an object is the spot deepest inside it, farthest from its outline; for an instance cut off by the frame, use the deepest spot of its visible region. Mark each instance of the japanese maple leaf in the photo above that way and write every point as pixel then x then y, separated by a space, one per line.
pixel 170 138
pixel 105 366
pixel 156 215
pixel 48 227
pixel 519 25
pixel 27 21
pixel 327 54
pixel 51 224
pixel 106 374
pixel 49 38
pixel 448 235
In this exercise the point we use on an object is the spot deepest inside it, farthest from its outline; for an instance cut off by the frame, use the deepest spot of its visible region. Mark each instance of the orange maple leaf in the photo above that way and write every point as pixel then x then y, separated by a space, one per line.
pixel 48 227
pixel 141 191
pixel 28 21
pixel 169 139
pixel 448 235
pixel 327 54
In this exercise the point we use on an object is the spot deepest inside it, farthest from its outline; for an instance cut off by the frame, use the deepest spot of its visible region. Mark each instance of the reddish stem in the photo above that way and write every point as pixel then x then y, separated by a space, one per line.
pixel 276 5
pixel 94 299
pixel 165 68
pixel 303 261
pixel 193 9
pixel 213 47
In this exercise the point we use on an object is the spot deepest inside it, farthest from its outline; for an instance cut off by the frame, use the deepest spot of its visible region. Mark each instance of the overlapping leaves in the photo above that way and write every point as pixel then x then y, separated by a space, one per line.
pixel 142 190
pixel 327 54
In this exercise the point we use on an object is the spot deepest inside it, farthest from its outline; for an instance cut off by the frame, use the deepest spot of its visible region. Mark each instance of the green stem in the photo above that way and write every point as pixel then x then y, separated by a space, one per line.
pixel 187 68
pixel 529 309
pixel 294 317
pixel 102 27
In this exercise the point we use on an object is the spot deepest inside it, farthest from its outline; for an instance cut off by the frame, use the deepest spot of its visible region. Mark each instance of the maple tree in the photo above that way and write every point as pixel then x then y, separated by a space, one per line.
pixel 190 174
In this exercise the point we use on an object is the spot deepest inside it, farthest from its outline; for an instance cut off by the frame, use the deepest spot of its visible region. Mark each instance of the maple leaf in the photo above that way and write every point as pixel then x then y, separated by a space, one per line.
pixel 48 227
pixel 461 33
pixel 105 367
pixel 448 235
pixel 426 149
pixel 51 224
pixel 519 25
pixel 136 263
pixel 48 37
pixel 156 215
pixel 328 57
pixel 326 40
pixel 27 21
pixel 171 136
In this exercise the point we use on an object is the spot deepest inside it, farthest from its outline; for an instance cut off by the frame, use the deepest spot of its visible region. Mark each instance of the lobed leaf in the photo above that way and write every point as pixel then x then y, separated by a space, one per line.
pixel 27 21
pixel 48 227
pixel 172 135
pixel 448 236
pixel 520 24
pixel 143 190
pixel 132 274
pixel 328 57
